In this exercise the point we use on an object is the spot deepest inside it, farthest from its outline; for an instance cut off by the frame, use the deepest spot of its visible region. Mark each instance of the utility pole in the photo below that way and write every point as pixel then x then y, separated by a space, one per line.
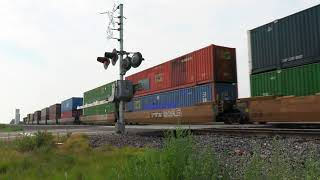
pixel 120 126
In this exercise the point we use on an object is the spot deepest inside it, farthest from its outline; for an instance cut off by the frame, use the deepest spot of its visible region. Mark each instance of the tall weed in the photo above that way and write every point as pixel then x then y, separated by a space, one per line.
pixel 179 159
pixel 41 140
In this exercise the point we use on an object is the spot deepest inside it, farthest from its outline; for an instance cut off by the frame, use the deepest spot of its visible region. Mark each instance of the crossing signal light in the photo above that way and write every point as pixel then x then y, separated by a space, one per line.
pixel 106 64
pixel 105 61
pixel 125 65
pixel 136 59
pixel 112 55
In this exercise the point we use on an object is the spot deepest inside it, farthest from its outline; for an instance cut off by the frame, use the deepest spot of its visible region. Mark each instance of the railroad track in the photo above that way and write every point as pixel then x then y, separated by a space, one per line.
pixel 159 130
pixel 254 130
pixel 260 131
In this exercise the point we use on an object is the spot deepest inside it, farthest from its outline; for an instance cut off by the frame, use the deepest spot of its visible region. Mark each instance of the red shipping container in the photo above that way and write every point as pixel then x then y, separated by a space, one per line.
pixel 71 114
pixel 183 70
pixel 55 112
pixel 209 64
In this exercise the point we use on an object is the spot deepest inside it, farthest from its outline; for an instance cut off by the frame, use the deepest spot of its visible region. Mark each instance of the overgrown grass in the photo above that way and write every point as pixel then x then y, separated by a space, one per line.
pixel 42 157
pixel 9 128
pixel 179 159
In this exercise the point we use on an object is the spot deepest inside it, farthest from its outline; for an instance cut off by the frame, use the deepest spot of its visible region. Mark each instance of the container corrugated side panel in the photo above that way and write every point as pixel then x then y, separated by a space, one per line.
pixel 183 71
pixel 172 99
pixel 98 94
pixel 99 110
pixel 266 84
pixel 300 38
pixel 160 77
pixel 71 114
pixel 226 91
pixel 302 80
pixel 76 101
pixel 141 78
pixel 225 65
pixel 203 93
pixel 129 106
pixel 37 116
pixel 66 105
pixel 31 117
pixel 45 114
pixel 264 48
pixel 297 81
pixel 55 111
pixel 204 63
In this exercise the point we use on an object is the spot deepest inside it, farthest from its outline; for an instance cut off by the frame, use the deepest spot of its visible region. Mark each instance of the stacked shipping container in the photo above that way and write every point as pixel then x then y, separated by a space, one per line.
pixel 25 120
pixel 98 94
pixel 29 120
pixel 285 55
pixel 54 113
pixel 205 75
pixel 44 115
pixel 209 64
pixel 297 81
pixel 101 113
pixel 37 117
pixel 183 97
pixel 69 108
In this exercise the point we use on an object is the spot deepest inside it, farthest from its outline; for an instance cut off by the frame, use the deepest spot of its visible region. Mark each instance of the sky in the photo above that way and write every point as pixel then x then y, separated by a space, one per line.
pixel 48 48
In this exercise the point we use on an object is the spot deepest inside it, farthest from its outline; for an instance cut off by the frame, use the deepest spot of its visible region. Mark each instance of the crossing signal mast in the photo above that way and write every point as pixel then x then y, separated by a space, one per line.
pixel 125 64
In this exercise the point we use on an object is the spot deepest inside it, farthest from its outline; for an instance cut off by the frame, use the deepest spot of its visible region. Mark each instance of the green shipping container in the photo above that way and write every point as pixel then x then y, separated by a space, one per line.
pixel 286 42
pixel 298 81
pixel 98 94
pixel 99 110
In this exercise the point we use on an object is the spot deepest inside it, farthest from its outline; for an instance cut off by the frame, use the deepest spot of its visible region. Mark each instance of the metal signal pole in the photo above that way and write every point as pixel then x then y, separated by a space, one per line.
pixel 120 126
pixel 123 95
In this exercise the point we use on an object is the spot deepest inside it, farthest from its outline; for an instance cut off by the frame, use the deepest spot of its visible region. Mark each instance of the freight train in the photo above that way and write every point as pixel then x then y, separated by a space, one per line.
pixel 202 87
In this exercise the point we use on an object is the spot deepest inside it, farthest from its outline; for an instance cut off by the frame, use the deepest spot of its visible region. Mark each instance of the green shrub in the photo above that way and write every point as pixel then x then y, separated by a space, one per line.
pixel 41 140
pixel 9 128
pixel 26 143
pixel 179 159
pixel 312 168
pixel 76 143
pixel 255 168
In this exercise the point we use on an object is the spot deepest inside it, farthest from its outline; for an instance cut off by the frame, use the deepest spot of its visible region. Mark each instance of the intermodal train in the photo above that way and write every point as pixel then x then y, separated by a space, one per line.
pixel 202 86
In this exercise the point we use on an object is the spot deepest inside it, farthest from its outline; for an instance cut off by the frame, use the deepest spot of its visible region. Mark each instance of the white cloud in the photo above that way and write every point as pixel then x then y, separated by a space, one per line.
pixel 67 36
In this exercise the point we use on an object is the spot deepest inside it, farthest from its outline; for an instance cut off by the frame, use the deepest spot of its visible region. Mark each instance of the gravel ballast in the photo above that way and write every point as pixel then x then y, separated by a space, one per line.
pixel 234 151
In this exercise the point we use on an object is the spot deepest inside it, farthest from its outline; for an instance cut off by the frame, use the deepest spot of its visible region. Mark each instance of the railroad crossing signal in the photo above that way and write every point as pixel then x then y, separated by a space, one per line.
pixel 125 63
pixel 105 61
pixel 129 62
pixel 136 59
pixel 112 55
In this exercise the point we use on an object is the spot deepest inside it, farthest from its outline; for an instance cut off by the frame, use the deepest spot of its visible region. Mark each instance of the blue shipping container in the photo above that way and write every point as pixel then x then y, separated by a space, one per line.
pixel 71 104
pixel 184 97
pixel 226 91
